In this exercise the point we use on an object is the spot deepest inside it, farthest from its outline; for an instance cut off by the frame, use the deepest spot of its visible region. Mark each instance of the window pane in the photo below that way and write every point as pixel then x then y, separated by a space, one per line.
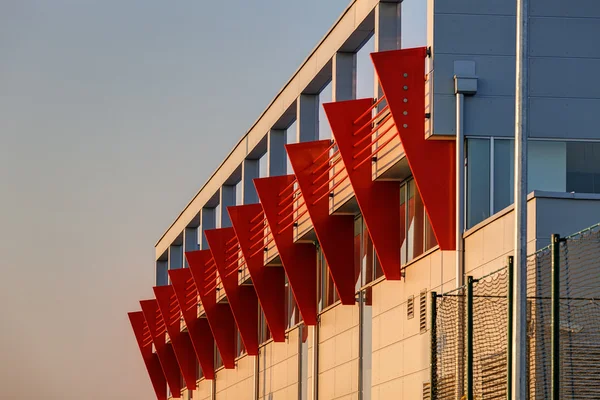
pixel 478 181
pixel 583 167
pixel 430 239
pixel 359 271
pixel 546 166
pixel 504 173
pixel 416 215
pixel 404 245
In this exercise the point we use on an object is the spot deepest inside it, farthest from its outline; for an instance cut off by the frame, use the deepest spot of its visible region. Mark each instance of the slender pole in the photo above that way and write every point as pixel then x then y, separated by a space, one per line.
pixel 470 338
pixel 519 366
pixel 460 194
pixel 510 298
pixel 433 359
pixel 555 245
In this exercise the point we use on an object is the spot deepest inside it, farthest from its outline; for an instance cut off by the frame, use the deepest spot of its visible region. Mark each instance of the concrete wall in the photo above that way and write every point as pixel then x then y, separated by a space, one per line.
pixel 278 365
pixel 238 383
pixel 564 87
pixel 400 350
pixel 338 353
pixel 202 392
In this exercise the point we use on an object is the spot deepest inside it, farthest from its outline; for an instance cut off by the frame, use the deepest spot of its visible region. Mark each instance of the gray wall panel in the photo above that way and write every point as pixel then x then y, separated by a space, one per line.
pixel 484 116
pixel 489 116
pixel 564 37
pixel 496 74
pixel 560 118
pixel 474 34
pixel 564 216
pixel 494 7
pixel 564 77
pixel 564 8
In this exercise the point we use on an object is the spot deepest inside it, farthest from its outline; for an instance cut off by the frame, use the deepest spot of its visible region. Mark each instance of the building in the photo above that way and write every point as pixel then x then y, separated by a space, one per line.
pixel 316 281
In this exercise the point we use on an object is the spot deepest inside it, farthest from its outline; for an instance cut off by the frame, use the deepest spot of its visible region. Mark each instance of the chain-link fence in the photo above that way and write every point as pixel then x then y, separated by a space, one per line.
pixel 470 334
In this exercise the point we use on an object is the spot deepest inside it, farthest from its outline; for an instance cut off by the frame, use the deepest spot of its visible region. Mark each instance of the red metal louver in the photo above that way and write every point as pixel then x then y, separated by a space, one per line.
pixel 242 299
pixel 164 350
pixel 312 164
pixel 352 126
pixel 198 328
pixel 432 162
pixel 299 259
pixel 249 224
pixel 220 317
pixel 144 341
pixel 182 345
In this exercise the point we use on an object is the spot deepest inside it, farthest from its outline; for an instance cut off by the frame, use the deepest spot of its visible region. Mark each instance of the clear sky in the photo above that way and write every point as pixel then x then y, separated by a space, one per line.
pixel 112 116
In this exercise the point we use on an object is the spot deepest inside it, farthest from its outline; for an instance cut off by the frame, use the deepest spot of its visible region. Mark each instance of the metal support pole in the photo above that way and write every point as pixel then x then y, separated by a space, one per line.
pixel 433 355
pixel 519 367
pixel 510 298
pixel 460 189
pixel 469 393
pixel 555 245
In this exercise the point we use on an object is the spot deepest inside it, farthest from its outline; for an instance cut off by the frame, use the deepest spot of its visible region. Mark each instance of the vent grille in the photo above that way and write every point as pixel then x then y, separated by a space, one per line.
pixel 423 311
pixel 410 307
pixel 426 391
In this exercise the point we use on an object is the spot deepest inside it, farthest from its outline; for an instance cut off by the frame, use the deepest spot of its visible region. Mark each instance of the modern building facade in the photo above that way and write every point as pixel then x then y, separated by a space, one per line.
pixel 303 268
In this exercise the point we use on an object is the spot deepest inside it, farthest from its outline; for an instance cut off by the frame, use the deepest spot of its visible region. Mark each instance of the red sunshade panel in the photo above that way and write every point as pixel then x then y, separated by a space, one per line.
pixel 311 163
pixel 182 344
pixel 432 162
pixel 241 299
pixel 219 315
pixel 164 350
pixel 198 328
pixel 269 282
pixel 144 341
pixel 379 202
pixel 299 259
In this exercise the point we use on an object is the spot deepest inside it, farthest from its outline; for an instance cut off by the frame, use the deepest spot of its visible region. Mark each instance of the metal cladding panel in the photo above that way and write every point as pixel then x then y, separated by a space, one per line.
pixel 242 299
pixel 219 316
pixel 198 328
pixel 164 350
pixel 269 282
pixel 432 162
pixel 182 344
pixel 335 232
pixel 299 259
pixel 144 341
pixel 379 201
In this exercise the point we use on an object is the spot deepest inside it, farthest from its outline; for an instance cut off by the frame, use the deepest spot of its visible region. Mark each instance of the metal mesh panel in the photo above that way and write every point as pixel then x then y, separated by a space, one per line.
pixel 579 318
pixel 579 328
pixel 449 351
pixel 490 336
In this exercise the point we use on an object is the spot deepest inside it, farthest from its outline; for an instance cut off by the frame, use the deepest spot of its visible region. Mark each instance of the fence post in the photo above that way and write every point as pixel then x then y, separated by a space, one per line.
pixel 510 298
pixel 555 246
pixel 470 281
pixel 433 359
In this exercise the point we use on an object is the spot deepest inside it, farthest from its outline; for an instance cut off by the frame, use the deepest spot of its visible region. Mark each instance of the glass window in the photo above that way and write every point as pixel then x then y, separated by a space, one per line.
pixel 218 359
pixel 478 180
pixel 552 165
pixel 327 293
pixel 264 332
pixel 292 312
pixel 504 173
pixel 583 167
pixel 418 232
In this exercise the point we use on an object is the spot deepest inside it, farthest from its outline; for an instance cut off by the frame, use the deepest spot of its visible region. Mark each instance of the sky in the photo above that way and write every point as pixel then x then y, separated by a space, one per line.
pixel 112 116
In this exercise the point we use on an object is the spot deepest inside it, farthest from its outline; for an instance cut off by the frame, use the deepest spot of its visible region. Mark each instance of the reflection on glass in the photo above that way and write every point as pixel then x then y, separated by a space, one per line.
pixel 478 181
pixel 504 173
